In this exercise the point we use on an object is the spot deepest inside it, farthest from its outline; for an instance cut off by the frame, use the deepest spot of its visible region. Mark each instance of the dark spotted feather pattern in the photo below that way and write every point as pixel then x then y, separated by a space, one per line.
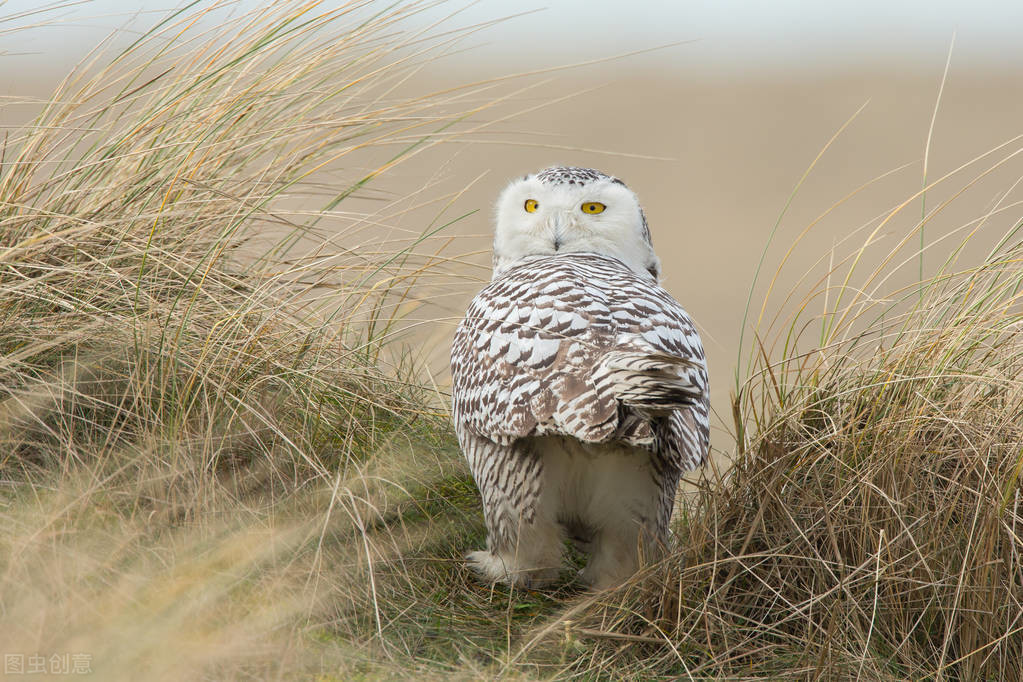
pixel 562 345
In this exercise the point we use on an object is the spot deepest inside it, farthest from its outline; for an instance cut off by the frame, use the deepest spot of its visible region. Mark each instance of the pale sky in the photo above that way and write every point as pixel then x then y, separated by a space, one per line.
pixel 731 33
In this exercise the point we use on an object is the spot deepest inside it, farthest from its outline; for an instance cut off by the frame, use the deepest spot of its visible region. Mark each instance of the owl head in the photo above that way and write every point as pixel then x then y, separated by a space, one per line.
pixel 572 210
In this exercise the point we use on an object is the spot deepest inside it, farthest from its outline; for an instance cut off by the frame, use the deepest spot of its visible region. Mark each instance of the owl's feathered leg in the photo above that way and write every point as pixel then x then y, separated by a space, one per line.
pixel 524 541
pixel 627 516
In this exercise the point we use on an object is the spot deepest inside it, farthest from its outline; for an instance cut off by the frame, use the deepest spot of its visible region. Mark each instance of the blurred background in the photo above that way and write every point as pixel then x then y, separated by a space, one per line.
pixel 711 111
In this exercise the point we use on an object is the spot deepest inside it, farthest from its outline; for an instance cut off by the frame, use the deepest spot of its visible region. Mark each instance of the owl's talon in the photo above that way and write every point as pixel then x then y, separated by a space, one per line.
pixel 491 568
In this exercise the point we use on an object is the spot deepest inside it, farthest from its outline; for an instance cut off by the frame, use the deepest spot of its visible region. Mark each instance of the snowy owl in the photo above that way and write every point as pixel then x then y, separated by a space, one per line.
pixel 579 384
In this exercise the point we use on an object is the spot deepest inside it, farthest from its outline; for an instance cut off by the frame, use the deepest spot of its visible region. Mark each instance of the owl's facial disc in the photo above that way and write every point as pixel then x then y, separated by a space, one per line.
pixel 580 211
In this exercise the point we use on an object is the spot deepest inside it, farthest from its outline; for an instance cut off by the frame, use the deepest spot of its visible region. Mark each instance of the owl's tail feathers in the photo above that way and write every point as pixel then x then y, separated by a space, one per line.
pixel 652 382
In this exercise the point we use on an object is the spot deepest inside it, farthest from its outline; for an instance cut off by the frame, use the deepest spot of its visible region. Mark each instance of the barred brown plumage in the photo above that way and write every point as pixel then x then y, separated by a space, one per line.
pixel 579 385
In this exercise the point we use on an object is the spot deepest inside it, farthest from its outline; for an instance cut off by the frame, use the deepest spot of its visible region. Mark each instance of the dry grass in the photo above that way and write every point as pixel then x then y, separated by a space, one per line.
pixel 211 470
pixel 198 430
pixel 871 526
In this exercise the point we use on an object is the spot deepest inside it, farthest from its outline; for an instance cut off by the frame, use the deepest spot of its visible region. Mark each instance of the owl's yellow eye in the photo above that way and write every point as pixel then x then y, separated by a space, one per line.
pixel 593 207
pixel 531 205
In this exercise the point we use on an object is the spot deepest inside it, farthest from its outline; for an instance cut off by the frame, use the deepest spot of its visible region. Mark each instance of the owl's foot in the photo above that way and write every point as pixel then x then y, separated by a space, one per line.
pixel 498 568
pixel 617 556
pixel 605 577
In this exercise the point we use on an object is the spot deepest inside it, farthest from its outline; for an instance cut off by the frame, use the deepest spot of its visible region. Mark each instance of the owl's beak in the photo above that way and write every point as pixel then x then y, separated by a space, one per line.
pixel 558 223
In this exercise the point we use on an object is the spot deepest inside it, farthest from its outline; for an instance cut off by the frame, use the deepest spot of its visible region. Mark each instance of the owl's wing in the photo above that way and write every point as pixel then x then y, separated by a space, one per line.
pixel 522 356
pixel 527 358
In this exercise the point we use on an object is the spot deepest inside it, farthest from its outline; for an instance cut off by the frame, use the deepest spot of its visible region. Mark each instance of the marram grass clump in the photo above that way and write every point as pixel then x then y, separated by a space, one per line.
pixel 134 306
pixel 203 450
pixel 872 524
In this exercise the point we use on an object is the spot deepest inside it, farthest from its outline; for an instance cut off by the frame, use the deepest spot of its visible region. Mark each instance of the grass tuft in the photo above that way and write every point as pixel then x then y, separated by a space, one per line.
pixel 206 458
pixel 871 525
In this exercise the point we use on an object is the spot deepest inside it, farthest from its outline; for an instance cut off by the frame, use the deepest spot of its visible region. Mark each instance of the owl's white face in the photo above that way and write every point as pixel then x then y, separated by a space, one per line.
pixel 572 210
